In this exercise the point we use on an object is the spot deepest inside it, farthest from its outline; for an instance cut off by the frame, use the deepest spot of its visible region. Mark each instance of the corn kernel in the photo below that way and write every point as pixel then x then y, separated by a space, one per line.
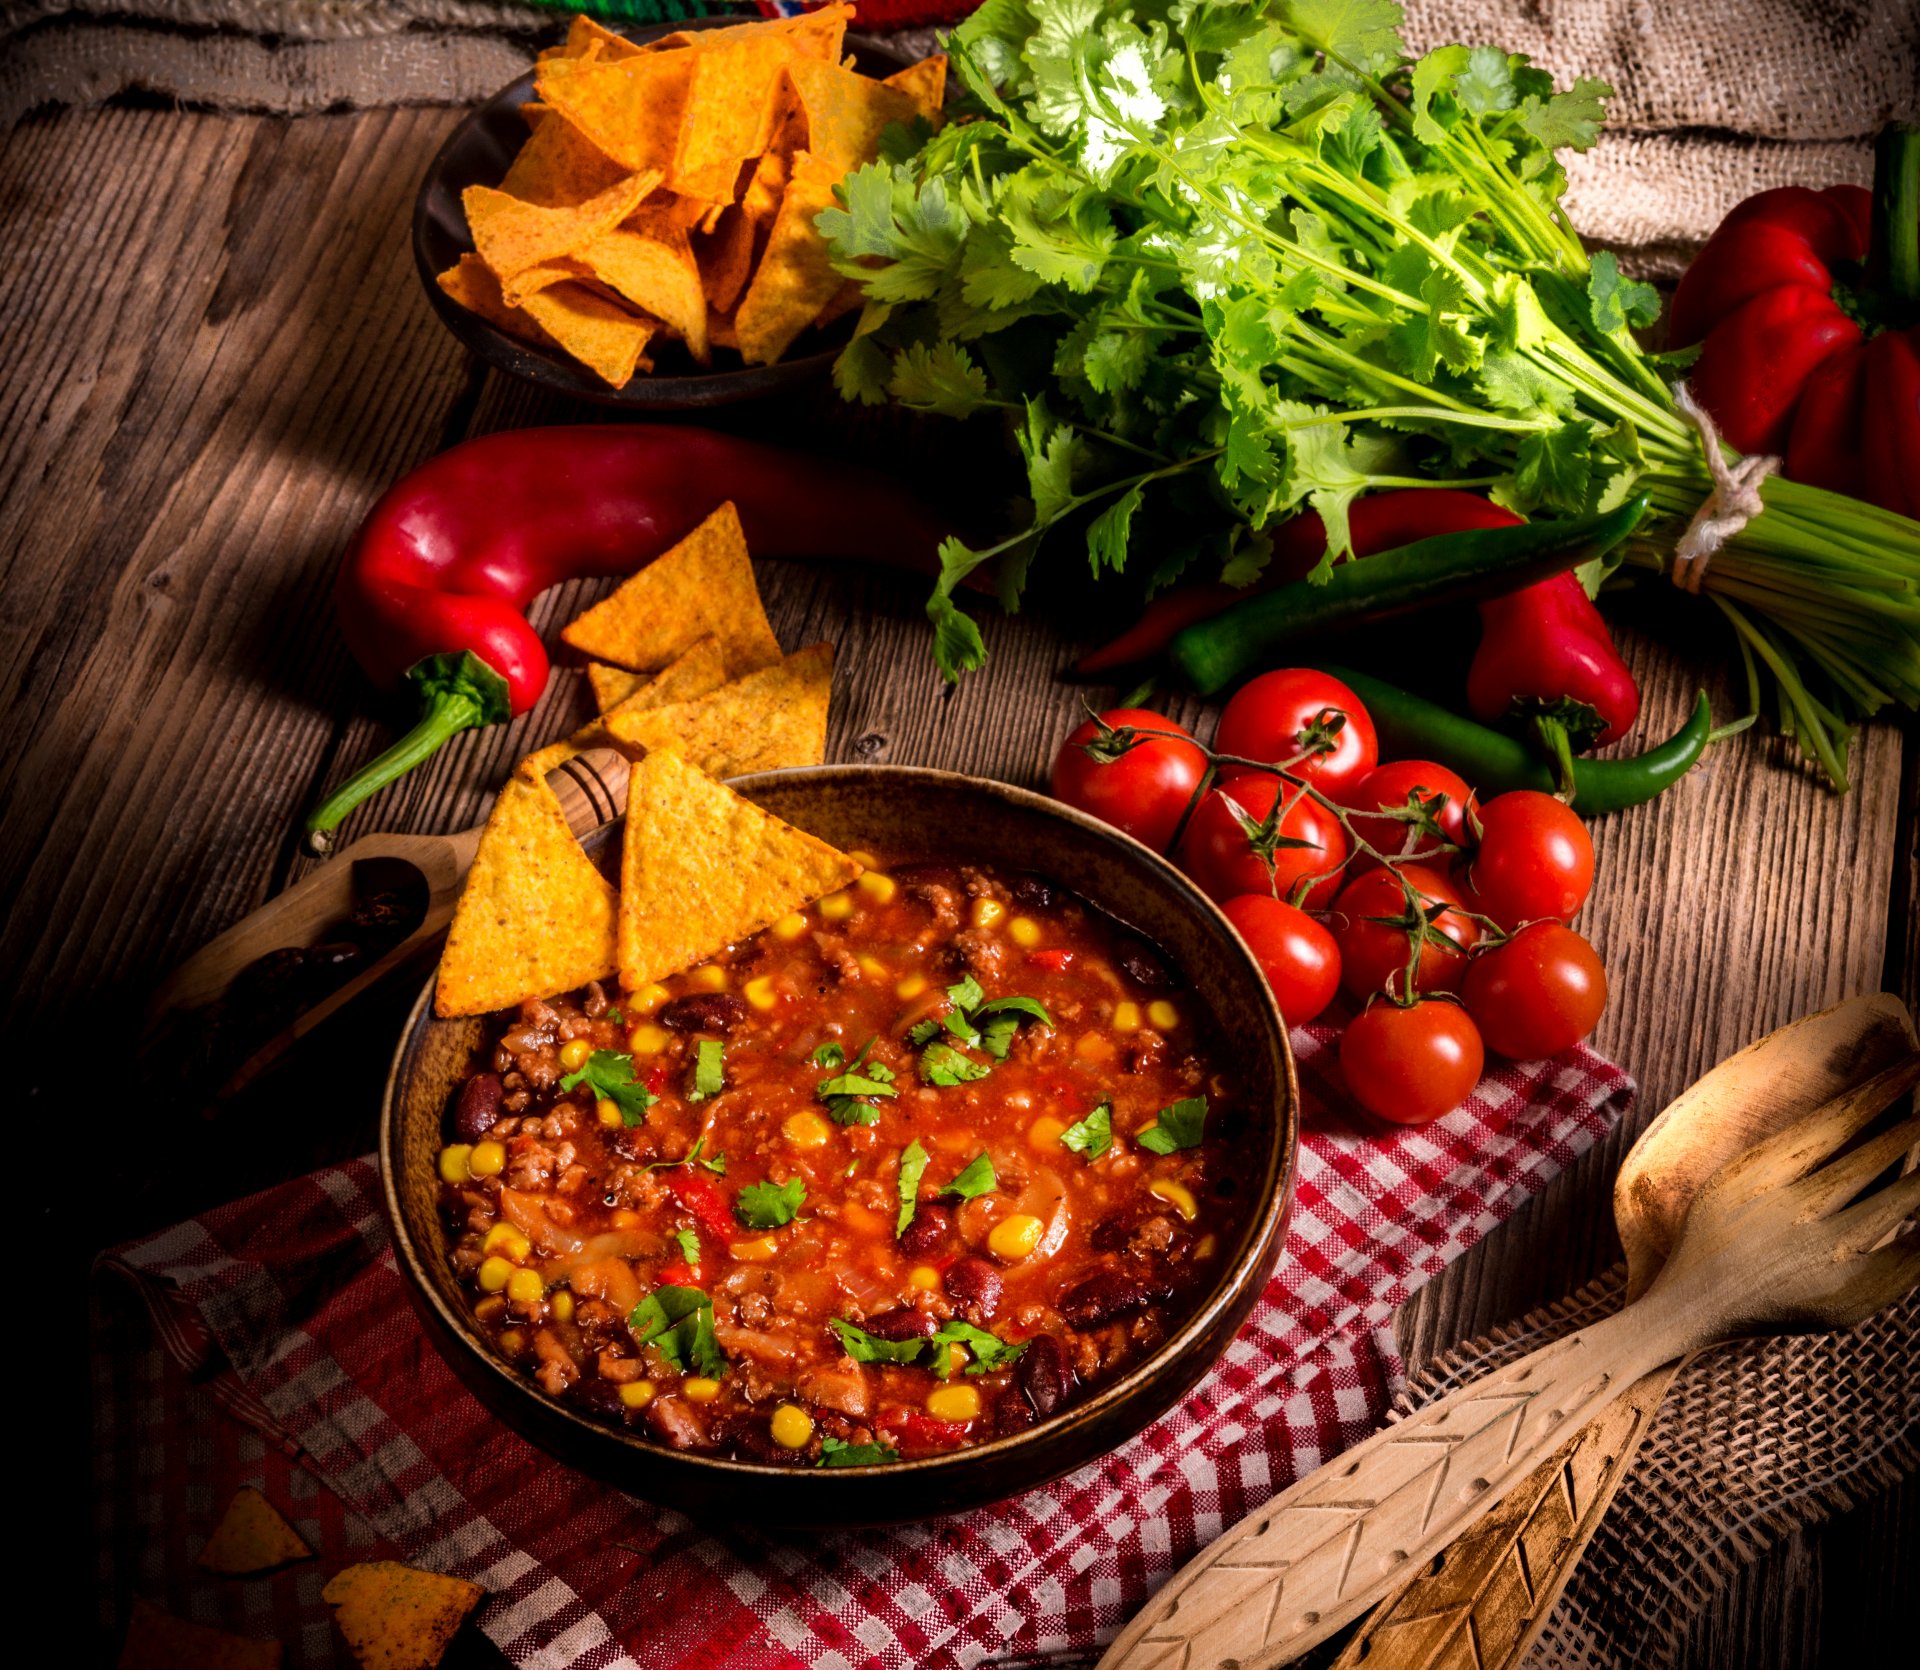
pixel 790 926
pixel 637 1394
pixel 864 859
pixel 453 1163
pixel 1095 1046
pixel 562 1305
pixel 490 1309
pixel 755 1252
pixel 878 886
pixel 807 1129
pixel 493 1273
pixel 524 1287
pixel 505 1239
pixel 1163 1014
pixel 925 1277
pixel 1014 1238
pixel 574 1053
pixel 1126 1017
pixel 872 967
pixel 607 1111
pixel 699 1389
pixel 958 1356
pixel 760 992
pixel 647 1039
pixel 647 998
pixel 513 1342
pixel 488 1159
pixel 791 1427
pixel 624 1217
pixel 912 986
pixel 1024 932
pixel 1045 1133
pixel 1207 1246
pixel 987 911
pixel 1176 1195
pixel 954 1403
pixel 836 907
pixel 709 977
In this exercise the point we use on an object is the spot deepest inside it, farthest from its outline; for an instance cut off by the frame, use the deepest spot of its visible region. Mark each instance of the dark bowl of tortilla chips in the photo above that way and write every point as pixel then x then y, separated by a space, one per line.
pixel 674 353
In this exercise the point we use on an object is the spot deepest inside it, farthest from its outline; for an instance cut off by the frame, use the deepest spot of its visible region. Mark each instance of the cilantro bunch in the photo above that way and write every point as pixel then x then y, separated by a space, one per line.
pixel 1217 261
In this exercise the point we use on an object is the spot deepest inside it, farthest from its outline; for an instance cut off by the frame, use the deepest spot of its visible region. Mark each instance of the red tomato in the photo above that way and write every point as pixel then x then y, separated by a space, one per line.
pixel 1534 860
pixel 1218 852
pixel 1393 785
pixel 1270 718
pixel 1411 1064
pixel 1146 789
pixel 1372 954
pixel 1540 993
pixel 1297 955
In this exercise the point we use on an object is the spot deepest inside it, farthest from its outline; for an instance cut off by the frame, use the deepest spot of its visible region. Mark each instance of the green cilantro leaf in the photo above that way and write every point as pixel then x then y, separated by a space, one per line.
pixel 837 1452
pixel 975 1180
pixel 1000 1020
pixel 689 1246
pixel 717 1165
pixel 923 1033
pixel 769 1205
pixel 913 1166
pixel 830 1054
pixel 1614 302
pixel 967 995
pixel 989 1351
pixel 942 1064
pixel 864 1347
pixel 692 1157
pixel 709 1072
pixel 1182 1125
pixel 1091 1136
pixel 614 1015
pixel 678 1323
pixel 849 1094
pixel 609 1075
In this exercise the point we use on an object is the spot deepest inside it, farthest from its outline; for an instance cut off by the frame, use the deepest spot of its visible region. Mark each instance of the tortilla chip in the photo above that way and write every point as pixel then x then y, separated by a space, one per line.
pixel 846 112
pixel 702 868
pixel 474 287
pixel 725 258
pixel 766 721
pixel 925 83
pixel 732 100
pixel 607 339
pixel 251 1538
pixel 585 35
pixel 795 279
pixel 559 167
pixel 818 34
pixel 760 202
pixel 532 280
pixel 670 206
pixel 612 685
pixel 158 1640
pixel 631 109
pixel 651 264
pixel 535 918
pixel 701 669
pixel 512 236
pixel 850 297
pixel 704 584
pixel 720 330
pixel 397 1618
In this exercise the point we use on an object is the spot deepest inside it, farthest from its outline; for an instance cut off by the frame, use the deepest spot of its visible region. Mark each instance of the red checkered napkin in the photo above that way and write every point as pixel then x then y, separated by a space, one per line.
pixel 286 1312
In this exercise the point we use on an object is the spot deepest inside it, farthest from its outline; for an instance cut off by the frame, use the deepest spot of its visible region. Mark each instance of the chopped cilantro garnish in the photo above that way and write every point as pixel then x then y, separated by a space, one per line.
pixel 1000 1020
pixel 848 1094
pixel 1091 1136
pixel 977 1024
pixel 829 1054
pixel 769 1205
pixel 613 1015
pixel 966 995
pixel 989 1351
pixel 923 1033
pixel 864 1347
pixel 678 1323
pixel 717 1165
pixel 609 1075
pixel 837 1452
pixel 709 1070
pixel 692 1157
pixel 944 1065
pixel 850 1110
pixel 978 1179
pixel 1180 1126
pixel 913 1165
pixel 689 1245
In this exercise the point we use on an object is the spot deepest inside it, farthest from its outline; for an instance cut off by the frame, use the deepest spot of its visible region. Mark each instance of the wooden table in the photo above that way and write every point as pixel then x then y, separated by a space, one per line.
pixel 217 354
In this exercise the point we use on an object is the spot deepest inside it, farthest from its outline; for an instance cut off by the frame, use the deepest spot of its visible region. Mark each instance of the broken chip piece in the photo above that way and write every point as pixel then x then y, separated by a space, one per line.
pixel 395 1617
pixel 252 1538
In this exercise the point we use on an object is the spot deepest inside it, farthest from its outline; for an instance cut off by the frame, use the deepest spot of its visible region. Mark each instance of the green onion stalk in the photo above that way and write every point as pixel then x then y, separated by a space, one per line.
pixel 1217 263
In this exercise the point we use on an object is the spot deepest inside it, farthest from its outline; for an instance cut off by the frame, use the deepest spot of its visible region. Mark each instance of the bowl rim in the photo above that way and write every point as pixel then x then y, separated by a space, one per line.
pixel 1258 1249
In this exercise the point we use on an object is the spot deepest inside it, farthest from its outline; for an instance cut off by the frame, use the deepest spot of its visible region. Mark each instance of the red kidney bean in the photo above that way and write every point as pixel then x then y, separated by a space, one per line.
pixel 1035 892
pixel 1044 1375
pixel 901 1324
pixel 975 1286
pixel 703 1012
pixel 479 1106
pixel 928 1229
pixel 1107 1294
pixel 1143 968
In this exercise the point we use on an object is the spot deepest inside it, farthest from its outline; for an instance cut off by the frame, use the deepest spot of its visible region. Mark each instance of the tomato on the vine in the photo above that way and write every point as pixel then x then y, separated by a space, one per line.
pixel 1534 860
pixel 1374 927
pixel 1297 955
pixel 1393 786
pixel 1144 790
pixel 1410 1063
pixel 1221 849
pixel 1278 716
pixel 1538 994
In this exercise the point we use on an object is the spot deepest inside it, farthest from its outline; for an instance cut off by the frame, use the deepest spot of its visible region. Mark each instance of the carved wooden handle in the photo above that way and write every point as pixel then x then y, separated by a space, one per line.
pixel 591 788
pixel 1286 1577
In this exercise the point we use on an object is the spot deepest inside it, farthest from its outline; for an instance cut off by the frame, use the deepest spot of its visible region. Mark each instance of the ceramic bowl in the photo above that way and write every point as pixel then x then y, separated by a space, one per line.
pixel 937 814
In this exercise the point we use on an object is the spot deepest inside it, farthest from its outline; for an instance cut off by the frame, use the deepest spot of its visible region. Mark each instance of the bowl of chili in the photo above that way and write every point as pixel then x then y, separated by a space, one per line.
pixel 1054 1373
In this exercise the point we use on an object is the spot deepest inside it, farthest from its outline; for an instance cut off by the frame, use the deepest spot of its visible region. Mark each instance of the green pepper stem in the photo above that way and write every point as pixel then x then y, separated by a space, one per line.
pixel 1893 256
pixel 448 712
pixel 1559 746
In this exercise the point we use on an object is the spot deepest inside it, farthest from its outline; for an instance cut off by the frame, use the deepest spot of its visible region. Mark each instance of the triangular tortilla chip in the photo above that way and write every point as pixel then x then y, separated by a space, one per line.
pixel 703 585
pixel 849 297
pixel 251 1538
pixel 732 101
pixel 925 83
pixel 584 35
pixel 612 685
pixel 631 110
pixel 397 1618
pixel 846 112
pixel 701 669
pixel 760 202
pixel 795 279
pixel 818 34
pixel 535 918
pixel 725 258
pixel 651 264
pixel 158 1640
pixel 559 167
pixel 608 339
pixel 478 291
pixel 702 868
pixel 511 236
pixel 766 721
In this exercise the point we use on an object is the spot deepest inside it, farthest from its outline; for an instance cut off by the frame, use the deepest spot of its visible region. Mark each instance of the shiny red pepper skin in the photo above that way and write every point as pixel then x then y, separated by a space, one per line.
pixel 450 558
pixel 699 1196
pixel 1547 643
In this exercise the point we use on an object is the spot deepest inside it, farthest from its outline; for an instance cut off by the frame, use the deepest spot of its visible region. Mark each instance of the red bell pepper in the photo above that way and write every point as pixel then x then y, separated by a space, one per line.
pixel 435 586
pixel 699 1196
pixel 1806 306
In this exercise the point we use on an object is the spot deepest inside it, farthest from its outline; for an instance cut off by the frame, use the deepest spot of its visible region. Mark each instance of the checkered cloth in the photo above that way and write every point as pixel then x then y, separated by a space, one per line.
pixel 285 1311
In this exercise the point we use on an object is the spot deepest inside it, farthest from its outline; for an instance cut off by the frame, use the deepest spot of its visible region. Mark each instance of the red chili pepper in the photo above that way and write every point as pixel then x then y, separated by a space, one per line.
pixel 1805 306
pixel 1052 961
pixel 435 586
pixel 918 1433
pixel 676 1275
pixel 1543 648
pixel 697 1194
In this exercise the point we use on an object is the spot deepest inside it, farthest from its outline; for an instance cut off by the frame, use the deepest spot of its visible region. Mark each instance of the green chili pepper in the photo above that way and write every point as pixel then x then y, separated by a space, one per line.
pixel 1412 728
pixel 1450 567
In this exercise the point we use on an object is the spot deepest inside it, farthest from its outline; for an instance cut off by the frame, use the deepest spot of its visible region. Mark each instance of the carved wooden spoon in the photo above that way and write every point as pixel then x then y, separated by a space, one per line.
pixel 1775 1241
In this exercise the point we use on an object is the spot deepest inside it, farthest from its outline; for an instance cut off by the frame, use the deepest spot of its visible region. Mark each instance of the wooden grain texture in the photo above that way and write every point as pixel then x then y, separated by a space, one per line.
pixel 217 354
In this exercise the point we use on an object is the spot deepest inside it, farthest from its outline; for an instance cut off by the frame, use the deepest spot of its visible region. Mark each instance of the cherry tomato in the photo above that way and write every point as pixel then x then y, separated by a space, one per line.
pixel 1146 789
pixel 1297 955
pixel 1392 785
pixel 1411 1064
pixel 1218 852
pixel 1372 953
pixel 1269 719
pixel 1540 993
pixel 1534 861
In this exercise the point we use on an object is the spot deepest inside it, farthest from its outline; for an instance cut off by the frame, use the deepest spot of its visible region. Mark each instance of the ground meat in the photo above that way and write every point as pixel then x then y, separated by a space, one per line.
pixel 939 900
pixel 756 1310
pixel 1153 1236
pixel 1143 1053
pixel 843 1386
pixel 978 953
pixel 532 1164
pixel 976 885
pixel 677 1423
pixel 636 1187
pixel 841 964
pixel 556 1371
